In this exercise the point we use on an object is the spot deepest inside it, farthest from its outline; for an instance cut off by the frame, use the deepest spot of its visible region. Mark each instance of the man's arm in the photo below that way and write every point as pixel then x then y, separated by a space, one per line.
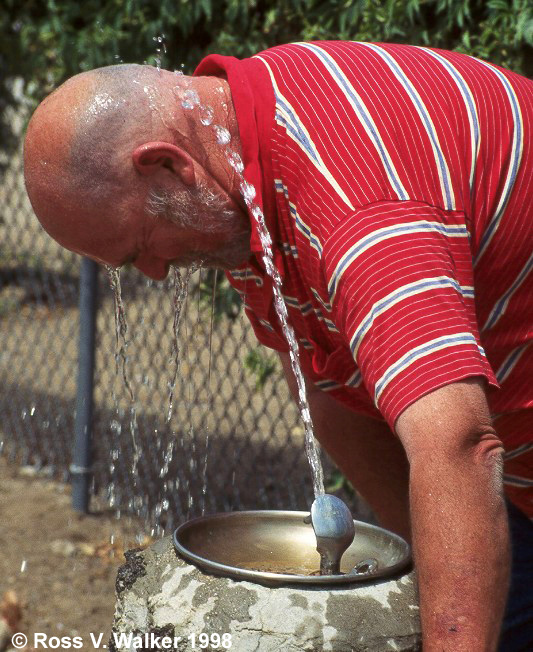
pixel 459 522
pixel 458 517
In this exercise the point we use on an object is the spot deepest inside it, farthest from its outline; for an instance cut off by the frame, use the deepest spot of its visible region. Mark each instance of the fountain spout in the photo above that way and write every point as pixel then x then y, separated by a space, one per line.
pixel 334 531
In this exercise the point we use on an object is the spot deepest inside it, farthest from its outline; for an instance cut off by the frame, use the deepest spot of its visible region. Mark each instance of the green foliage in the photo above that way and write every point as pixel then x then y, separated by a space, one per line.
pixel 260 363
pixel 45 41
pixel 336 482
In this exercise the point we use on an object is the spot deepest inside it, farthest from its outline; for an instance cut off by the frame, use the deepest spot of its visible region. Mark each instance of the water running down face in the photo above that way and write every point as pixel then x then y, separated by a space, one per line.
pixel 203 212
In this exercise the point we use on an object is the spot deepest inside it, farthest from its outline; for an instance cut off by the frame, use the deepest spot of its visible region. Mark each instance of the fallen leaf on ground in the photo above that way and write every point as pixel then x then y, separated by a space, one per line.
pixel 11 610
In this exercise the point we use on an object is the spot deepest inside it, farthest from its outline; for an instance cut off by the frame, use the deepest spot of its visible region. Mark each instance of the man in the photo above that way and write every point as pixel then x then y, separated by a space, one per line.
pixel 395 182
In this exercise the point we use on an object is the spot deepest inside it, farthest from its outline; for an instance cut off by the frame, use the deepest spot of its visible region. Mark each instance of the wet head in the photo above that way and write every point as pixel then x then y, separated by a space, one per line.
pixel 72 161
pixel 116 172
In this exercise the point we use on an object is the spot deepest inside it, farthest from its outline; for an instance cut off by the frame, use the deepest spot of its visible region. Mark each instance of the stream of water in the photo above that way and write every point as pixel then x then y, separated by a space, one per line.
pixel 121 330
pixel 121 365
pixel 181 290
pixel 311 446
pixel 189 101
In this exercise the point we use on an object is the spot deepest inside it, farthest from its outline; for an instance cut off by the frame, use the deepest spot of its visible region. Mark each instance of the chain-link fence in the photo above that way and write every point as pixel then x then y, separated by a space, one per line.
pixel 233 442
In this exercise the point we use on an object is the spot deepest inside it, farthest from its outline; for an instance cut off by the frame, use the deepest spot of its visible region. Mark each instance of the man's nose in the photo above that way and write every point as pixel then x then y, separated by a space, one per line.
pixel 151 266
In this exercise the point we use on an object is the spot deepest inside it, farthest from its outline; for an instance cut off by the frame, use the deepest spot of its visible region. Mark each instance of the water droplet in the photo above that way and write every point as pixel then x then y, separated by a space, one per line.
pixel 248 191
pixel 235 160
pixel 223 135
pixel 32 411
pixel 116 426
pixel 258 214
pixel 206 115
pixel 189 99
pixel 23 566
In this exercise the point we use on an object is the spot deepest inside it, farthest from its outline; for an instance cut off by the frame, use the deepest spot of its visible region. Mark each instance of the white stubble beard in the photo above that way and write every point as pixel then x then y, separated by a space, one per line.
pixel 202 211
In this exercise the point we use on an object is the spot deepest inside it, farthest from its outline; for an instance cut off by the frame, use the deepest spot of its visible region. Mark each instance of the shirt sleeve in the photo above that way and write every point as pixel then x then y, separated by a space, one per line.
pixel 400 282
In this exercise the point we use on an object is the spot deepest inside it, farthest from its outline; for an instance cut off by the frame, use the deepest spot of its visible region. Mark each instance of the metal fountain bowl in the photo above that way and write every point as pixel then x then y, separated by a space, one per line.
pixel 278 548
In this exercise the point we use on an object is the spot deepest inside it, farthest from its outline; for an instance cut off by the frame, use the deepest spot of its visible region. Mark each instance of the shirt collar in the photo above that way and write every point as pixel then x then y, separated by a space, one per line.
pixel 253 98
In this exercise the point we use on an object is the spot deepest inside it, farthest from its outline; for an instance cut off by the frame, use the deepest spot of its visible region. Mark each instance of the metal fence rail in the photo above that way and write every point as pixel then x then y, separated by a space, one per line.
pixel 229 445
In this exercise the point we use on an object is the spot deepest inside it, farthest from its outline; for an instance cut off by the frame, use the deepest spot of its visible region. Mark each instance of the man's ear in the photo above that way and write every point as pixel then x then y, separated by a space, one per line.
pixel 155 158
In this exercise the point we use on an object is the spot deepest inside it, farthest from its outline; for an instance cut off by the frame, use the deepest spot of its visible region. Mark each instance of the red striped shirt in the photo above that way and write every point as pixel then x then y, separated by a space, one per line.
pixel 397 183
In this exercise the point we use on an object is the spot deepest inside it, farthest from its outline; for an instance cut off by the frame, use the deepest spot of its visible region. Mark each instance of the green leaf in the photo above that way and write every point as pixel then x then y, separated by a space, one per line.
pixel 260 364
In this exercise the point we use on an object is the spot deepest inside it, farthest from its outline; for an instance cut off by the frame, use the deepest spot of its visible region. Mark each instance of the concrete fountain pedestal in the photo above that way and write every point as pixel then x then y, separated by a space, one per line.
pixel 160 594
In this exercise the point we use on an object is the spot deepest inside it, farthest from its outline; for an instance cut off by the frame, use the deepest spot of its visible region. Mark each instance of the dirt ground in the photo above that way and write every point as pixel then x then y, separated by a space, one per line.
pixel 57 565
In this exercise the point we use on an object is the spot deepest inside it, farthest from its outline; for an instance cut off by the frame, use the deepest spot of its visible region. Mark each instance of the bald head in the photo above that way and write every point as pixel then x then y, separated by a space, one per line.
pixel 118 171
pixel 78 146
pixel 114 113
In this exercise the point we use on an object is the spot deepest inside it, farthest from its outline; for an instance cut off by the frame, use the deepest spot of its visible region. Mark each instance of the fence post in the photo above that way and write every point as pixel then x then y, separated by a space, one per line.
pixel 80 468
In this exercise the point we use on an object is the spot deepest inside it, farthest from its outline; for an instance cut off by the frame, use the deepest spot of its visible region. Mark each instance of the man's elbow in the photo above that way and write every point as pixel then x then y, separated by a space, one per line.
pixel 487 452
pixel 451 423
pixel 480 447
pixel 487 447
